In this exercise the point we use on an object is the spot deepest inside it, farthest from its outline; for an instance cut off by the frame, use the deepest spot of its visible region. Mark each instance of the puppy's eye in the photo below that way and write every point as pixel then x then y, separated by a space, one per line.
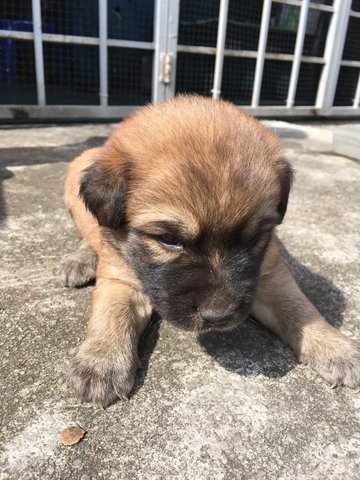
pixel 169 242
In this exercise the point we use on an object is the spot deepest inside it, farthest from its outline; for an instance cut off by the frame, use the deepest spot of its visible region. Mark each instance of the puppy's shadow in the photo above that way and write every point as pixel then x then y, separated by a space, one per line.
pixel 327 298
pixel 5 174
pixel 146 347
pixel 253 350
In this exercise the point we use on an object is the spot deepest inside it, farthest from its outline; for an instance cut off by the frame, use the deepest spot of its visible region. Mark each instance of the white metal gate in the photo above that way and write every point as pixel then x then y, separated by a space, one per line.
pixel 272 57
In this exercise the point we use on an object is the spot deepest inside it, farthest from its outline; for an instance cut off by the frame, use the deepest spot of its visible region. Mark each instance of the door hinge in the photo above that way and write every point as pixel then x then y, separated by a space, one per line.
pixel 166 63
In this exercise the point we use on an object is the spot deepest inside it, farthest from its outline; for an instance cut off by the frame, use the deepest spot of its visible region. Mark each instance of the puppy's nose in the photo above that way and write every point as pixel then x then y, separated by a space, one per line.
pixel 217 317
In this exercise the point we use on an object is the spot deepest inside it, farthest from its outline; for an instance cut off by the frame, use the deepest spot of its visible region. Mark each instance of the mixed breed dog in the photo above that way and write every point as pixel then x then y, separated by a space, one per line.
pixel 177 212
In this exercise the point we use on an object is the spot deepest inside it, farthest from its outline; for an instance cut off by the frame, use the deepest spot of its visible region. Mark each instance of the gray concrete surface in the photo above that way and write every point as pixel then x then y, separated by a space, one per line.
pixel 230 406
pixel 346 141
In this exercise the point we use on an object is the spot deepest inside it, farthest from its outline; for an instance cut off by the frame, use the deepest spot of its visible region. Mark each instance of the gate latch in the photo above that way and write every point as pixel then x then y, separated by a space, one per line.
pixel 166 63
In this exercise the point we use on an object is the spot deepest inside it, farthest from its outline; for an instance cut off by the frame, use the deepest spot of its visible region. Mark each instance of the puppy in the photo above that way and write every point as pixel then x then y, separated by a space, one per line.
pixel 177 213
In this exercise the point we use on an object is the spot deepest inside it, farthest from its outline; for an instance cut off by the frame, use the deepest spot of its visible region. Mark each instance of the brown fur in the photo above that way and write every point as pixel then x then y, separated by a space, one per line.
pixel 206 173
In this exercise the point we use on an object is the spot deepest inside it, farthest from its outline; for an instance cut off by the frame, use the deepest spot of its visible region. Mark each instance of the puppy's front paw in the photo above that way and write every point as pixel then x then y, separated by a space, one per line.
pixel 78 268
pixel 101 376
pixel 337 360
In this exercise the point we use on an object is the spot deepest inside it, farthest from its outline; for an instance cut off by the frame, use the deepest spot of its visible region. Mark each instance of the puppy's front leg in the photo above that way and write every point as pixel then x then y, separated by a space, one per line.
pixel 280 305
pixel 104 367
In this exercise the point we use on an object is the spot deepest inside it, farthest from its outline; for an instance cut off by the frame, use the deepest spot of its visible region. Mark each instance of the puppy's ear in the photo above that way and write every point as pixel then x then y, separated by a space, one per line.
pixel 103 189
pixel 286 175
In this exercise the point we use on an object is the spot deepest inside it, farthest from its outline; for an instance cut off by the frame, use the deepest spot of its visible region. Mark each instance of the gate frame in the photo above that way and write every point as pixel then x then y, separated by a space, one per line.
pixel 165 47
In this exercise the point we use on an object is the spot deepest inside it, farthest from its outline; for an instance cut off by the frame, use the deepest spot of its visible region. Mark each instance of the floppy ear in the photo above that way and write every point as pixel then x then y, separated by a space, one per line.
pixel 286 176
pixel 103 189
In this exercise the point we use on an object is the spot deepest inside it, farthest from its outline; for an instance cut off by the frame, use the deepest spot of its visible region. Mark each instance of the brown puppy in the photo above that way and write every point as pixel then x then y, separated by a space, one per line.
pixel 178 210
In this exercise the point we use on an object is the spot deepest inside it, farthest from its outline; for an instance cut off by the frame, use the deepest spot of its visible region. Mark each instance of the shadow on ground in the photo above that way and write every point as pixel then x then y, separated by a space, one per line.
pixel 5 174
pixel 10 157
pixel 253 350
pixel 147 345
pixel 327 298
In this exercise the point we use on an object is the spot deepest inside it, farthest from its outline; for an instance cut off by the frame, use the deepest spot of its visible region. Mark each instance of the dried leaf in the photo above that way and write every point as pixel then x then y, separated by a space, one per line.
pixel 71 435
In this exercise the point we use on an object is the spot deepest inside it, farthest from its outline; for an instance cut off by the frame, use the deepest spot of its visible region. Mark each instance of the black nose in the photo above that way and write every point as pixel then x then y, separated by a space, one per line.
pixel 217 317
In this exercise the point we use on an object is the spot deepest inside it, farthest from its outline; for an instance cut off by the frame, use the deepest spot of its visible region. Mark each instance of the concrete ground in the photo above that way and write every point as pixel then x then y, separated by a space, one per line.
pixel 229 406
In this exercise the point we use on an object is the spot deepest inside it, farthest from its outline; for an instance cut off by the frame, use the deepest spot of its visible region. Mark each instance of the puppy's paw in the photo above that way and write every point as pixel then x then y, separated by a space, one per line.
pixel 337 361
pixel 78 268
pixel 101 377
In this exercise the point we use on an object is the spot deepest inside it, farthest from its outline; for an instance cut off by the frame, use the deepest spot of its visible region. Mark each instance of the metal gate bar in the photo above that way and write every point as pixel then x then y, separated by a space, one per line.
pixel 300 37
pixel 356 103
pixel 220 46
pixel 165 37
pixel 103 52
pixel 39 56
pixel 265 20
pixel 314 6
pixel 76 39
pixel 332 55
pixel 251 54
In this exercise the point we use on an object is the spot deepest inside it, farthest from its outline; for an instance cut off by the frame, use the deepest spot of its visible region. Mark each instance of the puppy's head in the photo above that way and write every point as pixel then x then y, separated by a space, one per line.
pixel 190 191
